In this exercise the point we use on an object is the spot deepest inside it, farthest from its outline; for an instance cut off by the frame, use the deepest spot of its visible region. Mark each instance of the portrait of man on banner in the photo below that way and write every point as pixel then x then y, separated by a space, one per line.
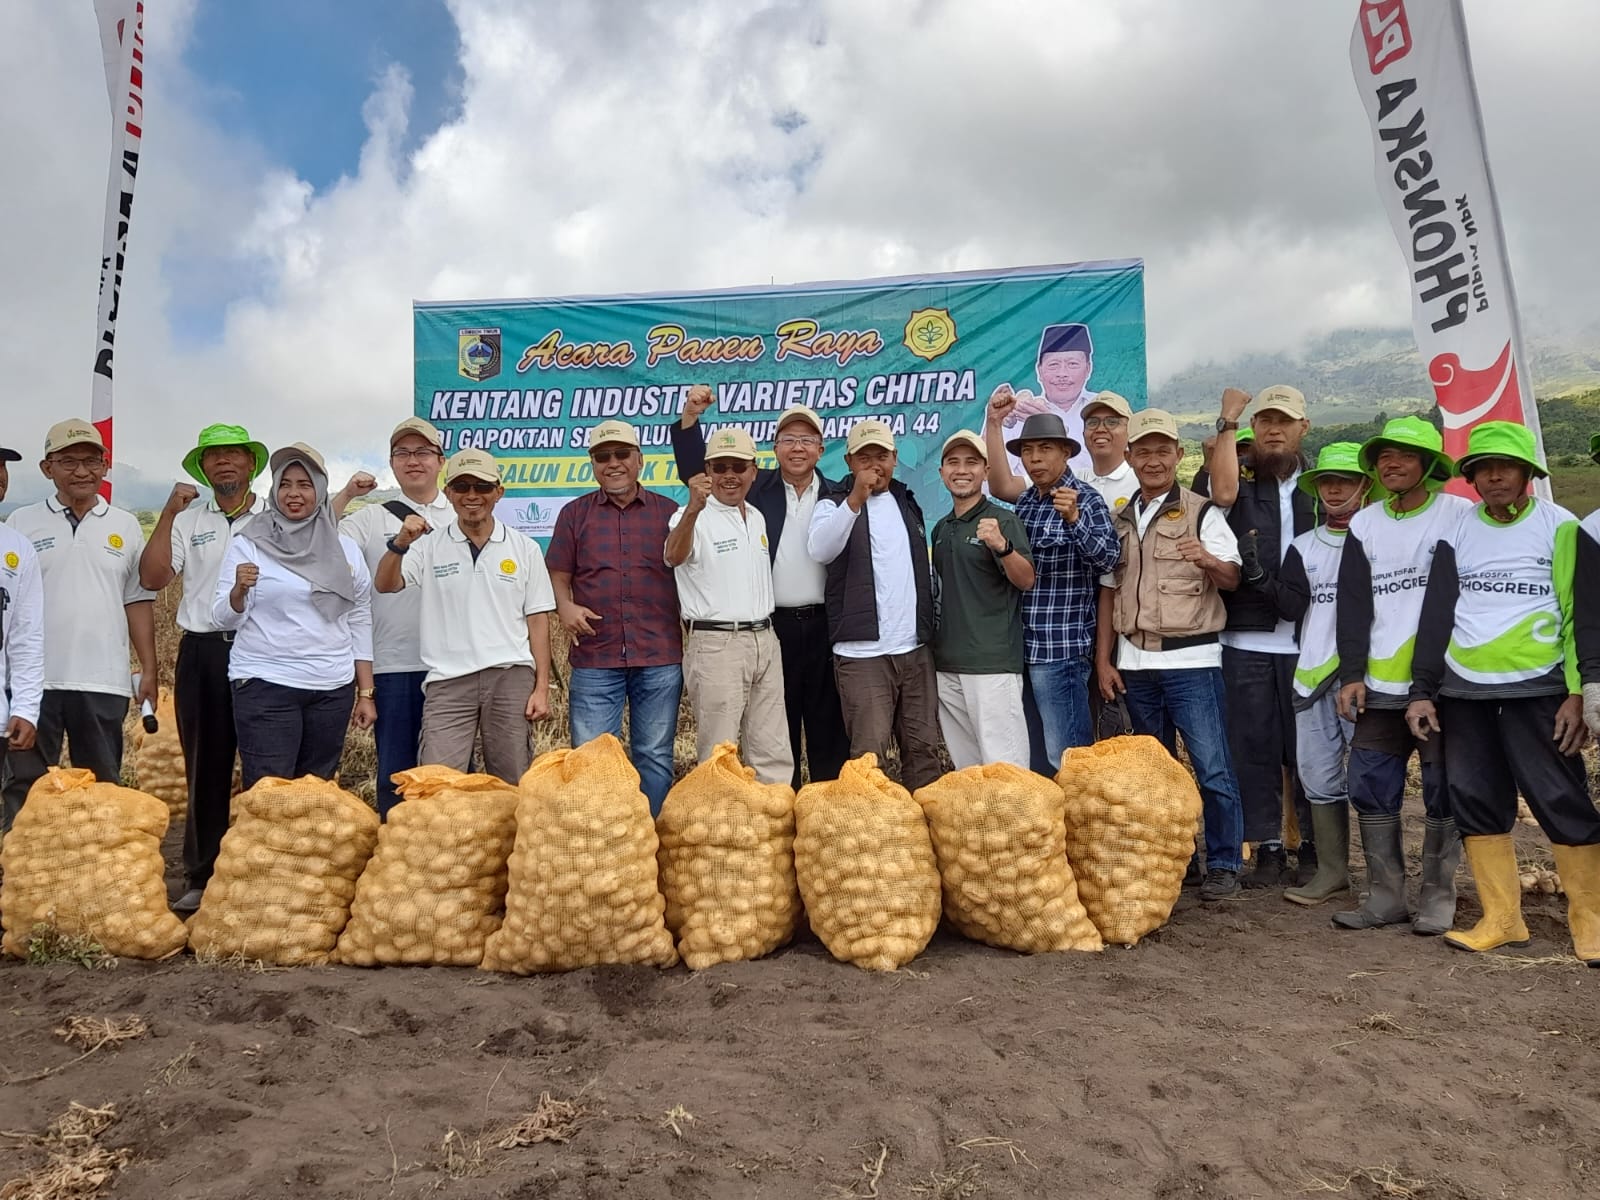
pixel 1063 364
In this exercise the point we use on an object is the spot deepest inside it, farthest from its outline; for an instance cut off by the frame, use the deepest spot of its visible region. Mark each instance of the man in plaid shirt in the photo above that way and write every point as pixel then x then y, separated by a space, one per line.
pixel 1069 528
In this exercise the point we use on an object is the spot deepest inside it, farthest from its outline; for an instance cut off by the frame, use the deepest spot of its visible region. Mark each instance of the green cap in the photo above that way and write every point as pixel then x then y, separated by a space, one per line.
pixel 1244 434
pixel 213 436
pixel 1501 439
pixel 1416 435
pixel 1594 446
pixel 1336 458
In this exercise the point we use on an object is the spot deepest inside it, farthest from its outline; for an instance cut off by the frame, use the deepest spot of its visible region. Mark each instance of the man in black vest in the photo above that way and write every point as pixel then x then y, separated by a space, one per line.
pixel 786 498
pixel 870 534
pixel 1266 510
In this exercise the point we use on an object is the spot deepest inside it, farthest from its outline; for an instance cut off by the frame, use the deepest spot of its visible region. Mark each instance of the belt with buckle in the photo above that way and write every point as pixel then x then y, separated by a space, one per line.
pixel 210 635
pixel 801 612
pixel 730 626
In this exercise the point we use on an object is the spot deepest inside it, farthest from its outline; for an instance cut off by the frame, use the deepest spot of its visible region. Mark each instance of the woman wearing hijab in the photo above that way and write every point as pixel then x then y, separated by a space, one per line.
pixel 296 594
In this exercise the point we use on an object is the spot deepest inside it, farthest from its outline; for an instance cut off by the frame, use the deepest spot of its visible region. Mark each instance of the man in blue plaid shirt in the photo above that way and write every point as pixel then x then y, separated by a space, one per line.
pixel 1069 528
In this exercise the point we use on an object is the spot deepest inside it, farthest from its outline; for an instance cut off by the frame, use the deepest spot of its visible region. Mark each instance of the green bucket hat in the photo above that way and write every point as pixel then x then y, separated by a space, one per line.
pixel 1416 435
pixel 1501 439
pixel 1244 435
pixel 1594 446
pixel 213 436
pixel 1336 458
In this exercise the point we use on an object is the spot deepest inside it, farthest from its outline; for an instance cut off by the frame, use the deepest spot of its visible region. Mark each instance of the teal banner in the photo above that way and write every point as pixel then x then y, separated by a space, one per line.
pixel 527 379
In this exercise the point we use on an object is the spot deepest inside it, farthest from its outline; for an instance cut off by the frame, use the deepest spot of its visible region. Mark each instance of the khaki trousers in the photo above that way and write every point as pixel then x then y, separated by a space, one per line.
pixel 493 703
pixel 735 686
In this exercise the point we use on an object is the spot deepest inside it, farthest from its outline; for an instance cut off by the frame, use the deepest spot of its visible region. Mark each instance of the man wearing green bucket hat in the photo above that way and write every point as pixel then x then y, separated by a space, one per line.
pixel 1496 669
pixel 1382 573
pixel 190 540
pixel 1339 486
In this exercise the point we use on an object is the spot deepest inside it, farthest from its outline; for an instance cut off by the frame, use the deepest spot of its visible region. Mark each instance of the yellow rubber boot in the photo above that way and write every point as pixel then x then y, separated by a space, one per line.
pixel 1579 868
pixel 1494 869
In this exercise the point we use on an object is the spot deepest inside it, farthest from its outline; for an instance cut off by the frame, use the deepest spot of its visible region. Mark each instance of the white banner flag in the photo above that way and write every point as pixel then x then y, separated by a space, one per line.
pixel 122 49
pixel 1414 71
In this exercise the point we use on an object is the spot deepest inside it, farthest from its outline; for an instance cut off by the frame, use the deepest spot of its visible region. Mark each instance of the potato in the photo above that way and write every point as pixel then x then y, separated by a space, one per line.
pixel 1131 816
pixel 582 872
pixel 865 866
pixel 281 893
pixel 725 841
pixel 85 858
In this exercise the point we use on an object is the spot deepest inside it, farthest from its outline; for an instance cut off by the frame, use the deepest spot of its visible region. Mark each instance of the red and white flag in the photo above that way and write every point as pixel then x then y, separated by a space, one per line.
pixel 122 50
pixel 1414 70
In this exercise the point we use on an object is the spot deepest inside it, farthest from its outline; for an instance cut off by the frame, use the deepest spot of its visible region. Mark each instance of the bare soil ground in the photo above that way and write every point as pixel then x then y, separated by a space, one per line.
pixel 1247 1050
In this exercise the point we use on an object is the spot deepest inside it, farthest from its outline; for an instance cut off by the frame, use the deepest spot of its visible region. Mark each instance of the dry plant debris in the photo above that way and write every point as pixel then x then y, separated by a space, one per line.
pixel 90 1033
pixel 551 1121
pixel 77 1166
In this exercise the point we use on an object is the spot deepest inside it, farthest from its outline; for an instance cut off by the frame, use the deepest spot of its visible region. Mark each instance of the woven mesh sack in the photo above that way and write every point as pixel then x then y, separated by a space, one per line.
pixel 84 858
pixel 865 866
pixel 727 862
pixel 1132 811
pixel 435 887
pixel 1000 839
pixel 583 887
pixel 286 874
pixel 158 760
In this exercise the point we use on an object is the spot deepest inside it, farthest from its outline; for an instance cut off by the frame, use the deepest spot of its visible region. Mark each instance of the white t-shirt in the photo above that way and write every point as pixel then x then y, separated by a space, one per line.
pixel 1220 543
pixel 396 616
pixel 1281 638
pixel 1117 487
pixel 281 636
pixel 797 578
pixel 474 612
pixel 894 587
pixel 21 630
pixel 90 576
pixel 727 576
pixel 200 538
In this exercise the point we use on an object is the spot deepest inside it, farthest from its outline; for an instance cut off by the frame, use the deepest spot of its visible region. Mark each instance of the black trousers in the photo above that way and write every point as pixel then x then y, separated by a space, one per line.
pixel 1260 696
pixel 1495 748
pixel 91 725
pixel 810 695
pixel 204 704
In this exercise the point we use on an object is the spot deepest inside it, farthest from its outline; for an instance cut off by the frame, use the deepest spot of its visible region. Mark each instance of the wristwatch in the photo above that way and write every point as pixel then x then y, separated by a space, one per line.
pixel 394 548
pixel 366 693
pixel 1224 425
pixel 1008 548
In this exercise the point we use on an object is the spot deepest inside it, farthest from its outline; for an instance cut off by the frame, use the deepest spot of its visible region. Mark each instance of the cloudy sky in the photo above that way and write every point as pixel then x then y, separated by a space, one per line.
pixel 311 167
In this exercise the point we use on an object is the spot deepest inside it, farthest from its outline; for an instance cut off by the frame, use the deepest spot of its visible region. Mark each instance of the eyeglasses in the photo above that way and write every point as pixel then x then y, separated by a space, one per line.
pixel 410 455
pixel 462 486
pixel 602 457
pixel 788 441
pixel 1104 423
pixel 723 466
pixel 97 463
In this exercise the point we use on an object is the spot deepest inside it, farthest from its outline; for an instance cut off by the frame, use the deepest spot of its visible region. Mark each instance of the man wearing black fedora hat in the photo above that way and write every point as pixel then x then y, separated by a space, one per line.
pixel 1069 529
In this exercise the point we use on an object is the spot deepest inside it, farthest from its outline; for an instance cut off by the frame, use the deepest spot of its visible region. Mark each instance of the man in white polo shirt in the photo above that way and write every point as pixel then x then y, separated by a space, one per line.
pixel 21 634
pixel 732 663
pixel 191 540
pixel 89 563
pixel 415 457
pixel 484 608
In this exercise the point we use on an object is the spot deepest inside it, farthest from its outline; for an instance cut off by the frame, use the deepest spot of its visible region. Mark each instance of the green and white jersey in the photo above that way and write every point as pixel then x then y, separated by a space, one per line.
pixel 1513 612
pixel 1399 549
pixel 1319 550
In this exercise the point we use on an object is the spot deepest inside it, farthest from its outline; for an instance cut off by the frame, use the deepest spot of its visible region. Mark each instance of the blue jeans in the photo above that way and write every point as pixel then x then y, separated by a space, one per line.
pixel 652 695
pixel 1193 699
pixel 1061 695
pixel 398 729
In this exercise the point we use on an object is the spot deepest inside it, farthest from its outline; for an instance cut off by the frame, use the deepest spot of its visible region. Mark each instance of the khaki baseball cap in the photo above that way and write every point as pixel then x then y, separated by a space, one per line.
pixel 1111 400
pixel 74 431
pixel 1282 398
pixel 1150 421
pixel 964 437
pixel 799 412
pixel 296 451
pixel 731 442
pixel 871 432
pixel 419 427
pixel 613 431
pixel 473 464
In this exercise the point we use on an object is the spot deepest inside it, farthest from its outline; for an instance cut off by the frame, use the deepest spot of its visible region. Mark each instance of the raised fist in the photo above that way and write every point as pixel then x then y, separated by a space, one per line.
pixel 360 484
pixel 411 529
pixel 1001 403
pixel 699 491
pixel 182 495
pixel 1234 402
pixel 700 398
pixel 245 577
pixel 989 533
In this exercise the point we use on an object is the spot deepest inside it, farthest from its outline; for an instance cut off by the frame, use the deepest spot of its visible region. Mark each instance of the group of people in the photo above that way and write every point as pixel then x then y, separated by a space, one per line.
pixel 1311 623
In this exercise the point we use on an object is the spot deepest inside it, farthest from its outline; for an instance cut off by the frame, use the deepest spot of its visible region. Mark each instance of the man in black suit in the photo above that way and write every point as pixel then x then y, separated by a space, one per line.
pixel 786 497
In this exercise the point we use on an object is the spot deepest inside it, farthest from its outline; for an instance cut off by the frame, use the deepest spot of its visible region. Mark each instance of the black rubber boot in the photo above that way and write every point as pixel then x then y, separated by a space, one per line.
pixel 1268 868
pixel 1436 902
pixel 1332 874
pixel 1386 877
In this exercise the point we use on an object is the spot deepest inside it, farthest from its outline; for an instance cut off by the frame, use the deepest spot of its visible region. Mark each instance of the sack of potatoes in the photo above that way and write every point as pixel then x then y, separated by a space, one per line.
pixel 1132 814
pixel 435 888
pixel 84 858
pixel 1000 839
pixel 583 888
pixel 286 873
pixel 727 862
pixel 865 865
pixel 158 760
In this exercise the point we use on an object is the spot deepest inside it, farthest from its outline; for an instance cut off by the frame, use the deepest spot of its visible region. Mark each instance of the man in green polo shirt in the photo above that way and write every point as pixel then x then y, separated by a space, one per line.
pixel 981 564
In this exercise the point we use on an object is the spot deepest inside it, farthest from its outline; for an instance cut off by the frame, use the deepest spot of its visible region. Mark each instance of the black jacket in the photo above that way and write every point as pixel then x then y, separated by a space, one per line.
pixel 1258 606
pixel 766 493
pixel 852 601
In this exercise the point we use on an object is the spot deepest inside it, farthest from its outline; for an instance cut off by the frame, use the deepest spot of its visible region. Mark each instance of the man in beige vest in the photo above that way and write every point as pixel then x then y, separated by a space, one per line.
pixel 1161 610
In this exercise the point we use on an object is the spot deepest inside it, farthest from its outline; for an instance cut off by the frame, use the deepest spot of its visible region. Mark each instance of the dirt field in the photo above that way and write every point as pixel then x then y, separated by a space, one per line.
pixel 1246 1050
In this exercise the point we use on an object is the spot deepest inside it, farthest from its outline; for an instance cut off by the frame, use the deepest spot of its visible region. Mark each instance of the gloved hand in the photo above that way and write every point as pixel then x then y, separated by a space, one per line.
pixel 1250 569
pixel 1591 707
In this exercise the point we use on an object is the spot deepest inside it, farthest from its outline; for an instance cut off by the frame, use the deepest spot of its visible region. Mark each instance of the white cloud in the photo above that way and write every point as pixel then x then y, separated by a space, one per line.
pixel 607 147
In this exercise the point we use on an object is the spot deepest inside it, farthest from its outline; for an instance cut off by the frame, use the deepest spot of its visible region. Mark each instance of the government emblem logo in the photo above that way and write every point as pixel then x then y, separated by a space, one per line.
pixel 115 541
pixel 930 332
pixel 508 566
pixel 478 353
pixel 12 559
